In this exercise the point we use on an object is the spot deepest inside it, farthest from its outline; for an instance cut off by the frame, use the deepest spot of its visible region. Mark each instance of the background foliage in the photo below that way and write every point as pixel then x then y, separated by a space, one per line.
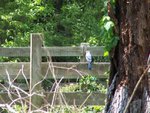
pixel 72 21
pixel 63 23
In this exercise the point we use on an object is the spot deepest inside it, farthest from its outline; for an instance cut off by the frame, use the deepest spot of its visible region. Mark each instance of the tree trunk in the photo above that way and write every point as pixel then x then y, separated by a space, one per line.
pixel 130 58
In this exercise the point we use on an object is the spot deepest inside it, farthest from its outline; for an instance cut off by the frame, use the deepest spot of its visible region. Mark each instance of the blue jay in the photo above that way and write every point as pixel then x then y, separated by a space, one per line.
pixel 88 57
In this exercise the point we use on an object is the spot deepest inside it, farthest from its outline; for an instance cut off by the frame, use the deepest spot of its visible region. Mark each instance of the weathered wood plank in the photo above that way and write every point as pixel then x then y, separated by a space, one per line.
pixel 71 98
pixel 68 70
pixel 61 51
pixel 96 51
pixel 14 51
pixel 52 51
pixel 22 86
pixel 77 98
pixel 14 69
pixel 35 69
pixel 75 70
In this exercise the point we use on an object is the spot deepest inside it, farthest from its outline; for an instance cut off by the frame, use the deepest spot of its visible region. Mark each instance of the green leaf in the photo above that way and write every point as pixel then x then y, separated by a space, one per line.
pixel 108 25
pixel 106 53
pixel 105 18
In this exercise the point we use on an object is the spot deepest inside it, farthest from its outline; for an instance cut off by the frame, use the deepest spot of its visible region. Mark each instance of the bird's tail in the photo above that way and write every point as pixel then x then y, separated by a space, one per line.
pixel 90 65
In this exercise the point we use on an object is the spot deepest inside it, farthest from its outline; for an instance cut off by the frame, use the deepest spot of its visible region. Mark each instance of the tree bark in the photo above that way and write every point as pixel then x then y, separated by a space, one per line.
pixel 130 58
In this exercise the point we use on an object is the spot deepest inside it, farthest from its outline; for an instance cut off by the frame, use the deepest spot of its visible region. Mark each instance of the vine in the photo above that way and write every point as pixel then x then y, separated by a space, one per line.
pixel 108 28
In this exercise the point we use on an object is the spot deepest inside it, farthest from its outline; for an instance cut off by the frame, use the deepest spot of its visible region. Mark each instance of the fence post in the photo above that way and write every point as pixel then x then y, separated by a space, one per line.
pixel 84 48
pixel 35 70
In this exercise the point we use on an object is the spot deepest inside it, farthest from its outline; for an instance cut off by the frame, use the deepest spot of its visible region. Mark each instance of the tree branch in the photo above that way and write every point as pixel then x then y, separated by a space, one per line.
pixel 128 103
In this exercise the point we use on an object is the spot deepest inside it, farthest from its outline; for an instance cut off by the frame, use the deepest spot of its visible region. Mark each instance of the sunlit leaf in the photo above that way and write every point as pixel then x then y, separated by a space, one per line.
pixel 108 25
pixel 106 53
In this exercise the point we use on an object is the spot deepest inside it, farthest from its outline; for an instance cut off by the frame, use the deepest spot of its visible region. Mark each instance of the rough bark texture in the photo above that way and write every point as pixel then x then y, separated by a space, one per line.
pixel 130 58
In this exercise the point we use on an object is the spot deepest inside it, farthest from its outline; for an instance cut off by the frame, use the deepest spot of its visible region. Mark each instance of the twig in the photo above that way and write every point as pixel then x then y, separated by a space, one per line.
pixel 56 88
pixel 128 103
pixel 25 76
pixel 85 100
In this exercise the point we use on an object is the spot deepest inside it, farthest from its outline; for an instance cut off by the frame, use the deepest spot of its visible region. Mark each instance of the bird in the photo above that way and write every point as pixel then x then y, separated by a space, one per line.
pixel 88 57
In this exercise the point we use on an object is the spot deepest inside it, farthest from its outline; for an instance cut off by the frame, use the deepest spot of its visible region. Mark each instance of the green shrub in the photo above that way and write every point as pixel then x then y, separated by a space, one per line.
pixel 90 83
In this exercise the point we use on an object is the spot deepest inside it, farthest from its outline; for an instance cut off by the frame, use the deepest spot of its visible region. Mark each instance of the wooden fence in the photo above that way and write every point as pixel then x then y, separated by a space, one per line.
pixel 35 70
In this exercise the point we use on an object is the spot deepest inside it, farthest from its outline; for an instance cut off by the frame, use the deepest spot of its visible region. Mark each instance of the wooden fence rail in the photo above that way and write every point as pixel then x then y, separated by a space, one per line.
pixel 69 98
pixel 35 70
pixel 67 70
pixel 52 51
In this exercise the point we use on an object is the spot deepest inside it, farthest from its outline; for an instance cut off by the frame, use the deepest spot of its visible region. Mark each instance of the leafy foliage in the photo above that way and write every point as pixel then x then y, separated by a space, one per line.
pixel 71 21
pixel 109 39
pixel 108 36
pixel 90 83
pixel 94 109
pixel 18 108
